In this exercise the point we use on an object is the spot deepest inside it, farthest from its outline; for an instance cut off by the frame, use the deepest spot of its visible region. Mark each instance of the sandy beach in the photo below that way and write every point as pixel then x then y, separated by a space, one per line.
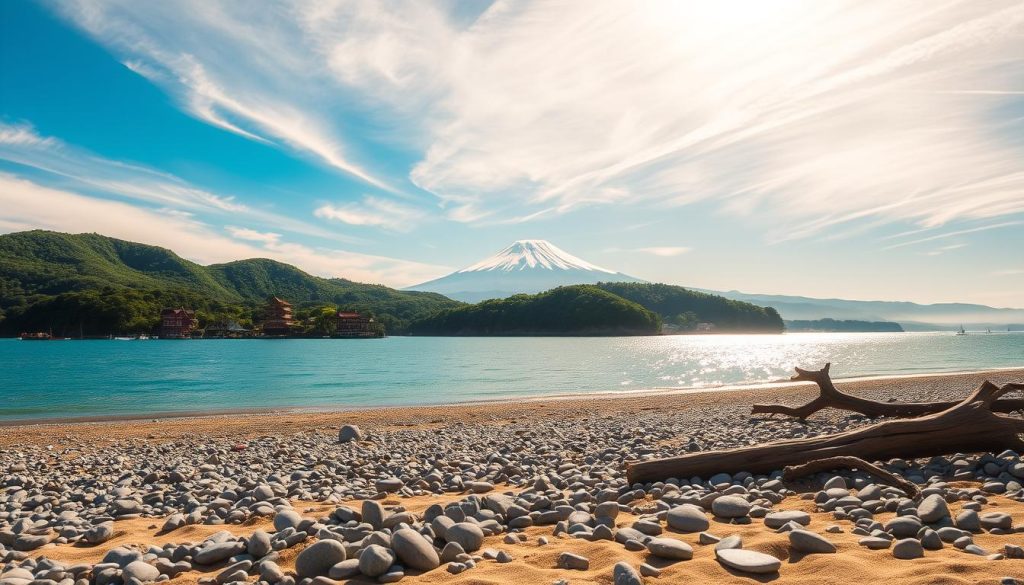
pixel 189 483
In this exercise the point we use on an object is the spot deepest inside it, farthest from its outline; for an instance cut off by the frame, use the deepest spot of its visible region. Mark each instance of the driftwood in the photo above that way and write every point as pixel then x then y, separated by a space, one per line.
pixel 832 397
pixel 968 426
pixel 797 471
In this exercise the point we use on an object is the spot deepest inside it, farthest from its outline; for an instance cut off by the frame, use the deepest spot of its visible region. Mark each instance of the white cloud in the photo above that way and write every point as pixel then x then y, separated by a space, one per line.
pixel 373 211
pixel 27 205
pixel 1009 272
pixel 813 118
pixel 253 235
pixel 21 144
pixel 665 251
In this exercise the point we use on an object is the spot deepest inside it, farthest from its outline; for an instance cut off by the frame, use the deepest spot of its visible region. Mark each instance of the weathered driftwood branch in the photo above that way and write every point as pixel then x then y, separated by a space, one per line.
pixel 832 397
pixel 794 472
pixel 968 426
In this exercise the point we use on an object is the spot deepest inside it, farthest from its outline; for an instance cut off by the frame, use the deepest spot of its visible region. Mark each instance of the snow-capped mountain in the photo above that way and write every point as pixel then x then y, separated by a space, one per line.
pixel 527 266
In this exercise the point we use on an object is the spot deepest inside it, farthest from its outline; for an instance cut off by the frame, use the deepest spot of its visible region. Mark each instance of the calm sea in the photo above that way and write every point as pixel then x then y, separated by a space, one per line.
pixel 98 378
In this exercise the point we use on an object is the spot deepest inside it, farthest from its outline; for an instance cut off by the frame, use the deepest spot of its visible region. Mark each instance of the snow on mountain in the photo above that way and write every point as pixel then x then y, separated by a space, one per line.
pixel 526 254
pixel 527 266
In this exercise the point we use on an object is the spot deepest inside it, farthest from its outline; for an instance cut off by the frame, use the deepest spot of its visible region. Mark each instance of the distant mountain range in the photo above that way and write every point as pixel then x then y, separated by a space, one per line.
pixel 531 266
pixel 527 266
pixel 912 316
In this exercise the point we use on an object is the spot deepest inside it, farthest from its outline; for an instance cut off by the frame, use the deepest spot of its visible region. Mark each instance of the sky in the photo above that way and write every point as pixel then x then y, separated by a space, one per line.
pixel 863 150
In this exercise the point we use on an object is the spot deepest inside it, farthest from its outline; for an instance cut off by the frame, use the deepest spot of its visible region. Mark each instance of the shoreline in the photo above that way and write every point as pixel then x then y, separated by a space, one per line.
pixel 245 425
pixel 656 392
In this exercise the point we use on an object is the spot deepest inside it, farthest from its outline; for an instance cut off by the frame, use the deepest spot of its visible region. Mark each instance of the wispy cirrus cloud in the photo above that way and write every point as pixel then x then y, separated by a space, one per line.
pixel 20 143
pixel 25 204
pixel 812 118
pixel 374 212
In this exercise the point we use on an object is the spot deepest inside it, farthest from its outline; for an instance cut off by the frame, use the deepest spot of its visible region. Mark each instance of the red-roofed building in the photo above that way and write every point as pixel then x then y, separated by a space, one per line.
pixel 278 318
pixel 177 323
pixel 353 324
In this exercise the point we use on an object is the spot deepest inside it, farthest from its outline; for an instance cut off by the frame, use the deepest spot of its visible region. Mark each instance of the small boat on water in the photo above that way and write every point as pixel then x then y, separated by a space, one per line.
pixel 961 332
pixel 37 336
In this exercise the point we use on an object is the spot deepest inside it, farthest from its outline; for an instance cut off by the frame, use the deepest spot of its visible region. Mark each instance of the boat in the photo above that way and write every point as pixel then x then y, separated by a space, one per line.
pixel 961 332
pixel 142 337
pixel 989 331
pixel 123 338
pixel 37 336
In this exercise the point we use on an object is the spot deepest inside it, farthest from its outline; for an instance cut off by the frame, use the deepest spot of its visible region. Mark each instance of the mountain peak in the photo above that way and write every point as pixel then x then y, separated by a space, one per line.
pixel 533 254
pixel 525 266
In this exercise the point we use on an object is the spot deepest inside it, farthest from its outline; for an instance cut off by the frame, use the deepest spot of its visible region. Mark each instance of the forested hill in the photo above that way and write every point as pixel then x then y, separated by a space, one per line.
pixel 567 310
pixel 683 309
pixel 95 285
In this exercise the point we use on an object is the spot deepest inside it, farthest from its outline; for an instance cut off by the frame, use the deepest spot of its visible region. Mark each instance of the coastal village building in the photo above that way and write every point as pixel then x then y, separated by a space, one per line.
pixel 225 330
pixel 278 319
pixel 353 324
pixel 177 323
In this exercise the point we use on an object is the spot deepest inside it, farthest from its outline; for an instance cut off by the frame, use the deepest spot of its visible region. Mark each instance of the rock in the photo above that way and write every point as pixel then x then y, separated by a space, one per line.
pixel 670 548
pixel 932 509
pixel 100 533
pixel 173 522
pixel 571 561
pixel 373 514
pixel 287 519
pixel 414 550
pixel 217 552
pixel 451 551
pixel 968 520
pixel 993 520
pixel 908 548
pixel 930 539
pixel 375 560
pixel 349 434
pixel 778 519
pixel 30 542
pixel 810 543
pixel 748 561
pixel 140 570
pixel 624 574
pixel 318 558
pixel 875 542
pixel 259 544
pixel 732 541
pixel 730 507
pixel 395 574
pixel 122 557
pixel 649 571
pixel 468 535
pixel 707 538
pixel 344 569
pixel 270 572
pixel 389 484
pixel 903 526
pixel 687 518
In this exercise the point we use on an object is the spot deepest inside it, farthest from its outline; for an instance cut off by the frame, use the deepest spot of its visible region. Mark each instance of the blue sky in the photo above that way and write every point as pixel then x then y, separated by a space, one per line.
pixel 864 150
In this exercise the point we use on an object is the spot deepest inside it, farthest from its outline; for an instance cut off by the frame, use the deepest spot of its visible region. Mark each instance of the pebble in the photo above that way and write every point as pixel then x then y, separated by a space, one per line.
pixel 624 574
pixel 933 508
pixel 730 507
pixel 318 558
pixel 375 560
pixel 748 561
pixel 567 560
pixel 908 548
pixel 467 535
pixel 349 433
pixel 778 519
pixel 414 550
pixel 810 543
pixel 670 548
pixel 687 518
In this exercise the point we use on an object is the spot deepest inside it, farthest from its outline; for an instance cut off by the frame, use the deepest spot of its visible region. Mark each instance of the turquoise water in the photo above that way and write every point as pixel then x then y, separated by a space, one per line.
pixel 109 378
